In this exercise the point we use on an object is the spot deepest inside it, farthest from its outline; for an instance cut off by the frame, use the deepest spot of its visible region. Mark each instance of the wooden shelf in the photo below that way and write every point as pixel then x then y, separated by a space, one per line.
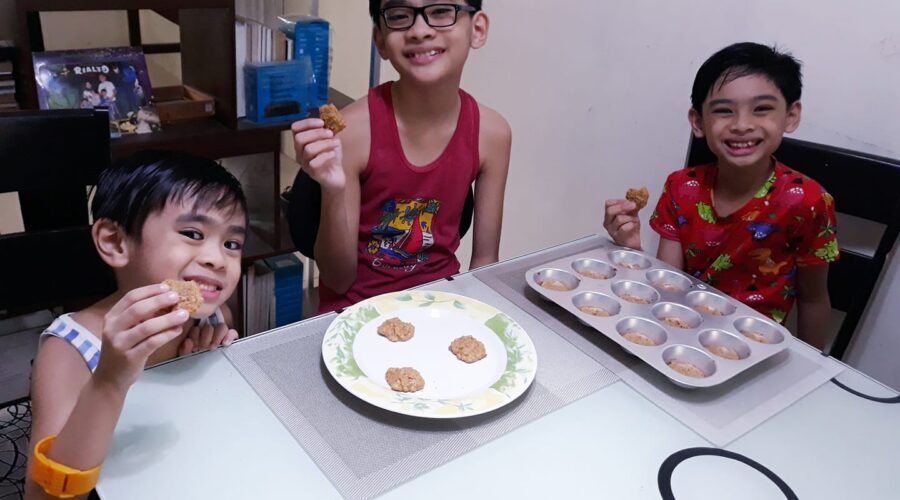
pixel 208 138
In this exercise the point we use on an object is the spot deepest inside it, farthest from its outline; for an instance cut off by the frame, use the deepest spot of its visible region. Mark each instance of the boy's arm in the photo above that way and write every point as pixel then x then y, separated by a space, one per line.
pixel 494 143
pixel 669 251
pixel 59 379
pixel 336 164
pixel 82 409
pixel 813 305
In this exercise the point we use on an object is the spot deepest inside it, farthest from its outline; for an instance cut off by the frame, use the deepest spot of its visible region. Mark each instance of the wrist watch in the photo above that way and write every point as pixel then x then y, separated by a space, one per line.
pixel 57 479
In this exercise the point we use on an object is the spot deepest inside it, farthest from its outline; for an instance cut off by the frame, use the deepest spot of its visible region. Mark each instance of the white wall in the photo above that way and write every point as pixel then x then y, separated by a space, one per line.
pixel 597 94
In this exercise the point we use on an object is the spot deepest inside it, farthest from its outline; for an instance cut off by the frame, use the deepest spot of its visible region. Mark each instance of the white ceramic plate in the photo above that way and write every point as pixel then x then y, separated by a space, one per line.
pixel 358 357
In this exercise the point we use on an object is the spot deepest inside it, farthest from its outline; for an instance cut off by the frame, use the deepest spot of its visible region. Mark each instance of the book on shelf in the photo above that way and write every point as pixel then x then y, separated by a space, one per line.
pixel 256 42
pixel 259 299
pixel 113 78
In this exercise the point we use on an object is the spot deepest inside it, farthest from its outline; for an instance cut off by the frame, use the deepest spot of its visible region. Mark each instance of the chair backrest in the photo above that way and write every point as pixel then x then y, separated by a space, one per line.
pixel 864 186
pixel 305 208
pixel 49 158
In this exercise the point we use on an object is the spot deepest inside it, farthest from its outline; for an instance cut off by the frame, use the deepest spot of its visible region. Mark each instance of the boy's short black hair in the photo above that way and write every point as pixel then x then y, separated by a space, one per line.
pixel 745 59
pixel 375 8
pixel 135 187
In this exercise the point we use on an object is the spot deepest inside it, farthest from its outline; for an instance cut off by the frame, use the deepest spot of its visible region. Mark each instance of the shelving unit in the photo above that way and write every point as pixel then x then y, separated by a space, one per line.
pixel 207 50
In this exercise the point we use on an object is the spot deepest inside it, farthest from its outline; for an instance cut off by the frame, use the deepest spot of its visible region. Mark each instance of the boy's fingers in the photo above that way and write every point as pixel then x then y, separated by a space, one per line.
pixel 314 149
pixel 230 337
pixel 615 201
pixel 187 347
pixel 170 321
pixel 137 295
pixel 150 344
pixel 207 334
pixel 627 225
pixel 219 337
pixel 149 307
pixel 307 124
pixel 322 159
pixel 308 137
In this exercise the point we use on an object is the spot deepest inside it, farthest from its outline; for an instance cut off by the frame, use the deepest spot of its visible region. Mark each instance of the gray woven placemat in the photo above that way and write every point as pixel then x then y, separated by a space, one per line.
pixel 719 414
pixel 365 450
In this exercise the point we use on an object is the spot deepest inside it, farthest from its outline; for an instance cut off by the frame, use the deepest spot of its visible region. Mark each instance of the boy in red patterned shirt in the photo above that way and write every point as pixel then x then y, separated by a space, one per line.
pixel 748 224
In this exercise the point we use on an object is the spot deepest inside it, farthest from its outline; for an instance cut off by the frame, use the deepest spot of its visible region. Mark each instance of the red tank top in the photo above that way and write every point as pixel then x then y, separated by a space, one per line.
pixel 409 215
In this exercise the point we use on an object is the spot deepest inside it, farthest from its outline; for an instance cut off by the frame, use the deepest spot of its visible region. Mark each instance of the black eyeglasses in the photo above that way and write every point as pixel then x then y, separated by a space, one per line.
pixel 437 15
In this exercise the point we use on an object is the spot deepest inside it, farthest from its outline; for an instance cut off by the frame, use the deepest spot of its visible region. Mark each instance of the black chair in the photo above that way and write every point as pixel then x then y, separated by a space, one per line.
pixel 305 209
pixel 50 158
pixel 864 186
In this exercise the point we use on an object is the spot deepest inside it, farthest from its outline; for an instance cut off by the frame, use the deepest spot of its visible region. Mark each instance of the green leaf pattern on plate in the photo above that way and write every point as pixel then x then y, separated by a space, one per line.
pixel 347 327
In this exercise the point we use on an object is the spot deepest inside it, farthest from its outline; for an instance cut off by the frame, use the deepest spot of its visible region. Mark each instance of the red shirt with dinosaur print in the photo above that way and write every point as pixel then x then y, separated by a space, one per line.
pixel 752 254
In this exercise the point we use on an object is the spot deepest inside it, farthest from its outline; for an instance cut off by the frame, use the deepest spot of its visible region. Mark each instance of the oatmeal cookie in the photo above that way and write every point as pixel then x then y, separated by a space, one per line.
pixel 638 338
pixel 634 299
pixel 758 337
pixel 332 118
pixel 594 311
pixel 404 379
pixel 670 287
pixel 189 297
pixel 723 352
pixel 396 330
pixel 686 369
pixel 677 322
pixel 638 196
pixel 557 285
pixel 710 310
pixel 468 349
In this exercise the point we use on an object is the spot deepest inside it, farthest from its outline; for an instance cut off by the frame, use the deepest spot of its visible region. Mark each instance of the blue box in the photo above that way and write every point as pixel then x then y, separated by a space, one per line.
pixel 312 38
pixel 288 288
pixel 279 91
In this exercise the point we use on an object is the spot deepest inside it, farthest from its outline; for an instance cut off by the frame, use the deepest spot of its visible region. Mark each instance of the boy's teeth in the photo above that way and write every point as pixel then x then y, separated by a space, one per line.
pixel 746 144
pixel 208 288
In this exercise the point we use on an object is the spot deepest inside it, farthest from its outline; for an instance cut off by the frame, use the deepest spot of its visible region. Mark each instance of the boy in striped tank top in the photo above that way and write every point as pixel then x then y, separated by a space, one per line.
pixel 156 216
pixel 395 180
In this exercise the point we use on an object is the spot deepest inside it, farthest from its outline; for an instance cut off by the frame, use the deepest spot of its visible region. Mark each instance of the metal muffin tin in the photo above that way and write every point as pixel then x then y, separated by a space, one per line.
pixel 679 320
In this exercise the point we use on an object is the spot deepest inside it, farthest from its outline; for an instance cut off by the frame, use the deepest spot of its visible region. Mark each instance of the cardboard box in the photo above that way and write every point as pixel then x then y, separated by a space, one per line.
pixel 181 103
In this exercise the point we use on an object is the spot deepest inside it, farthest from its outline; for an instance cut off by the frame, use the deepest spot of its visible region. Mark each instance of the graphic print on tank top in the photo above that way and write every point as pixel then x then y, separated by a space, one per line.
pixel 404 234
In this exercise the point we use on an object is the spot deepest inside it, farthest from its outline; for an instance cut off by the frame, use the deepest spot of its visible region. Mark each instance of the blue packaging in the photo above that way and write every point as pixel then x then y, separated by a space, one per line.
pixel 288 272
pixel 311 36
pixel 279 91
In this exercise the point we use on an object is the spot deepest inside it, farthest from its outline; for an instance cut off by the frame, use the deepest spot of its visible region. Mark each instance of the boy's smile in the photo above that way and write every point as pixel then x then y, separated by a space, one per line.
pixel 744 120
pixel 430 54
pixel 190 243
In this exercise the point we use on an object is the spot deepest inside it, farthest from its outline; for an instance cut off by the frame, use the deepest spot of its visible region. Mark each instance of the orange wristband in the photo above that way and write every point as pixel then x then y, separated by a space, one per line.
pixel 57 479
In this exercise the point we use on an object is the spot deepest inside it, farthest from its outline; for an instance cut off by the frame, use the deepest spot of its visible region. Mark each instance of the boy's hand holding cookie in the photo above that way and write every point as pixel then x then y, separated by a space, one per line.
pixel 319 152
pixel 133 329
pixel 621 221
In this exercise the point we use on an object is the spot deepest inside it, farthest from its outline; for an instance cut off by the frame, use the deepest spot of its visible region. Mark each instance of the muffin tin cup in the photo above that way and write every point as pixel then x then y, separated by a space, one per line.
pixel 668 319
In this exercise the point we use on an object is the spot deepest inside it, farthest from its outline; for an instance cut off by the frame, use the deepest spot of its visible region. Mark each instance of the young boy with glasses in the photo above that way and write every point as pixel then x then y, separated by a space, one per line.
pixel 747 224
pixel 394 182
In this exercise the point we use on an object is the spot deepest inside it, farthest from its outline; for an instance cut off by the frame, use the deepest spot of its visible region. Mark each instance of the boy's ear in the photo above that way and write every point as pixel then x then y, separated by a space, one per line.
pixel 793 117
pixel 109 239
pixel 378 38
pixel 480 25
pixel 696 120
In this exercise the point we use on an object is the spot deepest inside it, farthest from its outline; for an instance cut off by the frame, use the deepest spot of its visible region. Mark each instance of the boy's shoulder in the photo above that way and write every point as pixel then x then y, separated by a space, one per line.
pixel 494 127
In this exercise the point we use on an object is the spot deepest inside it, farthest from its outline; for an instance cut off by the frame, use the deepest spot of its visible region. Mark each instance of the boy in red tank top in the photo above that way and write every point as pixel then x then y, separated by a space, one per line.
pixel 394 182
